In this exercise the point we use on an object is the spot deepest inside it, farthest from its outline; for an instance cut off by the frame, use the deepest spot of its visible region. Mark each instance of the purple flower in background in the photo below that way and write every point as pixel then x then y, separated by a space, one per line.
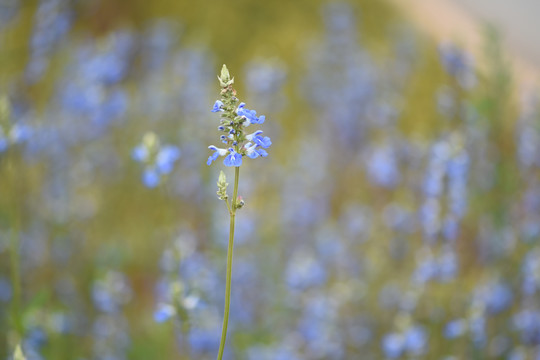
pixel 140 153
pixel 415 340
pixel 495 296
pixel 458 64
pixel 158 160
pixel 531 273
pixel 455 328
pixel 527 322
pixel 393 345
pixel 412 341
pixel 304 271
pixel 166 158
pixel 164 312
pixel 382 166
pixel 151 177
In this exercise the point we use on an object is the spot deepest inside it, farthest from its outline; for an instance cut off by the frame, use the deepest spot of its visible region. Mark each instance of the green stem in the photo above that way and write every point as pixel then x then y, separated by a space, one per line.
pixel 229 265
pixel 16 283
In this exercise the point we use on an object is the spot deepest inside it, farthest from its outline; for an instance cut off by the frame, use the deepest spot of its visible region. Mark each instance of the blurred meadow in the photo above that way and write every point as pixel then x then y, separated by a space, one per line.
pixel 397 215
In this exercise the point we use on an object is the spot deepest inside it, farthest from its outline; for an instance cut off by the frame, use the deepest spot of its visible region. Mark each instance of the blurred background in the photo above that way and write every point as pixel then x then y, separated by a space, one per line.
pixel 397 215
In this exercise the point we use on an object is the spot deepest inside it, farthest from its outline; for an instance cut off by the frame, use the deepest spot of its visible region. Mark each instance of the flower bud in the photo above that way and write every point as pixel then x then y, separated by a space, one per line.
pixel 240 202
pixel 150 141
pixel 225 78
pixel 222 186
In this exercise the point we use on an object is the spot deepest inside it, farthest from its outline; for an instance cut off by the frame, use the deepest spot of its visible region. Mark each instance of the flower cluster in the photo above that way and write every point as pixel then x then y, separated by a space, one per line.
pixel 158 160
pixel 234 119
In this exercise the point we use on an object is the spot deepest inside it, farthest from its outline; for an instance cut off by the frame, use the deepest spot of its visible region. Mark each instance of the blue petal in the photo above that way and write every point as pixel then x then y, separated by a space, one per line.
pixel 151 178
pixel 393 345
pixel 263 142
pixel 266 142
pixel 212 157
pixel 166 158
pixel 262 152
pixel 253 154
pixel 139 153
pixel 238 160
pixel 251 115
pixel 217 106
pixel 164 313
pixel 233 159
pixel 228 160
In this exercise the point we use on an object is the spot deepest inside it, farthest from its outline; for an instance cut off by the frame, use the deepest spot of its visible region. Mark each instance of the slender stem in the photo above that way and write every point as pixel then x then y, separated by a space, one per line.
pixel 228 206
pixel 235 191
pixel 15 281
pixel 229 265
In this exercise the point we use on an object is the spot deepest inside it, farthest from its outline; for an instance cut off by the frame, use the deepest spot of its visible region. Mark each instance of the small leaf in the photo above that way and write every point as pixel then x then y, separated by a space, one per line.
pixel 222 179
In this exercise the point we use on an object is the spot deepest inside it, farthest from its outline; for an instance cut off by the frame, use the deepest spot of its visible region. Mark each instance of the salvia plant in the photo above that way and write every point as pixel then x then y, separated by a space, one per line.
pixel 405 230
pixel 235 118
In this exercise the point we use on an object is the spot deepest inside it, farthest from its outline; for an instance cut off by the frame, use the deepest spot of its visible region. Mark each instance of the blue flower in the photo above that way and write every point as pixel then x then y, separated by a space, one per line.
pixel 140 153
pixel 20 133
pixel 249 115
pixel 214 156
pixel 151 177
pixel 304 271
pixel 416 340
pixel 166 157
pixel 164 312
pixel 455 328
pixel 253 151
pixel 261 152
pixel 233 122
pixel 497 297
pixel 382 167
pixel 158 160
pixel 233 159
pixel 217 106
pixel 393 345
pixel 458 64
pixel 256 137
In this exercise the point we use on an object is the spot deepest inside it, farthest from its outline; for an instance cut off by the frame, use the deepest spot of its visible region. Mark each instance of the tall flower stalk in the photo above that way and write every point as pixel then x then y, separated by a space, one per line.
pixel 233 123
